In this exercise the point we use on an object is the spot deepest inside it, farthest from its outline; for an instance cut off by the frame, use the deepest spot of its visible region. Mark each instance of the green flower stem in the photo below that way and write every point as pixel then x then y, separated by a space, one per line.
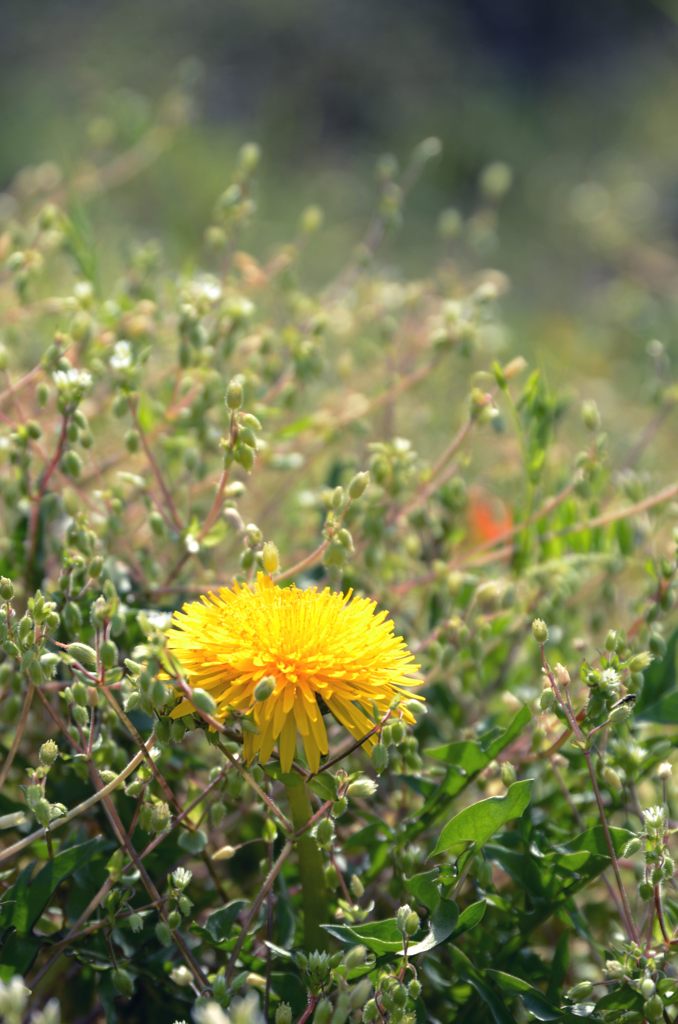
pixel 311 871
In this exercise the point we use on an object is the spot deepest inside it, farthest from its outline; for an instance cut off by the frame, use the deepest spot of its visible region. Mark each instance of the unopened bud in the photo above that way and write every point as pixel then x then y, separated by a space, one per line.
pixel 203 701
pixel 225 853
pixel 581 991
pixel 639 662
pixel 48 753
pixel 612 779
pixel 361 787
pixel 234 395
pixel 283 1014
pixel 590 415
pixel 84 654
pixel 540 631
pixel 355 957
pixel 561 674
pixel 270 558
pixel 264 688
pixel 358 485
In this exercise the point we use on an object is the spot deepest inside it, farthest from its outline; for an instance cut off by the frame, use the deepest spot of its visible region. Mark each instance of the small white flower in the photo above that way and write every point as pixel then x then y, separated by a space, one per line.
pixel 181 877
pixel 160 620
pixel 654 818
pixel 609 677
pixel 181 976
pixel 192 545
pixel 122 356
pixel 72 376
pixel 13 998
pixel 211 1013
pixel 664 770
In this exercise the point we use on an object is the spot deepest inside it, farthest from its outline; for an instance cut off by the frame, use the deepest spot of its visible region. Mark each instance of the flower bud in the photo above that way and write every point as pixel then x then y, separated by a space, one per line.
pixel 264 688
pixel 356 886
pixel 355 957
pixel 612 779
pixel 323 1012
pixel 108 652
pixel 653 1008
pixel 639 662
pixel 270 558
pixel 84 654
pixel 380 758
pixel 225 853
pixel 361 787
pixel 49 752
pixel 181 976
pixel 234 395
pixel 358 485
pixel 562 676
pixel 580 992
pixel 6 588
pixel 540 631
pixel 590 415
pixel 123 982
pixel 283 1014
pixel 324 832
pixel 203 701
pixel 311 219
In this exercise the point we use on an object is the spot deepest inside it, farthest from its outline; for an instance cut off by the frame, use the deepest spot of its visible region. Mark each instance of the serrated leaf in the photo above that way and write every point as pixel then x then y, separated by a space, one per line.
pixel 479 822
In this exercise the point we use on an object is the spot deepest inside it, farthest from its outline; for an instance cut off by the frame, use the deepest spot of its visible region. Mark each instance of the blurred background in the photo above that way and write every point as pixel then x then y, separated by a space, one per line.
pixel 572 103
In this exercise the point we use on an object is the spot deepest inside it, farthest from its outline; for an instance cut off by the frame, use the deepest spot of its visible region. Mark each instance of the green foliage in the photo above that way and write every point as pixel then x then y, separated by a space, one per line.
pixel 166 432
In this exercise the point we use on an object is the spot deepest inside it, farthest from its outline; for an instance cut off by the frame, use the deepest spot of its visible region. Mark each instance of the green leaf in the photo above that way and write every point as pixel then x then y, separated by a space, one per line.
pixel 593 840
pixel 219 925
pixel 467 972
pixel 28 897
pixel 470 917
pixel 531 998
pixel 25 902
pixel 424 888
pixel 443 921
pixel 658 701
pixel 479 822
pixel 379 936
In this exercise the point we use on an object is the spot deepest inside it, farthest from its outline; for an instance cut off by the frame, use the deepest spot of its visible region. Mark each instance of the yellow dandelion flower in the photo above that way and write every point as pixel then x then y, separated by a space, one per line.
pixel 314 646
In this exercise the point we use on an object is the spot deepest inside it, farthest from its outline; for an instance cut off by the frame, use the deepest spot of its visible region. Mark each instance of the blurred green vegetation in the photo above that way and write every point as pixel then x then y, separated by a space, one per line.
pixel 579 103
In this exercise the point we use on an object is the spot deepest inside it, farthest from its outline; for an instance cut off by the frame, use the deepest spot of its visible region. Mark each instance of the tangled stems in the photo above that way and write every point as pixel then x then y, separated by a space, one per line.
pixel 583 743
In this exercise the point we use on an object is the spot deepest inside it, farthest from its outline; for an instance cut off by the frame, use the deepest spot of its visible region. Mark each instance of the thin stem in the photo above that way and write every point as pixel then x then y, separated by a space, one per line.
pixel 18 734
pixel 566 705
pixel 311 868
pixel 101 794
pixel 256 905
pixel 36 501
pixel 157 473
